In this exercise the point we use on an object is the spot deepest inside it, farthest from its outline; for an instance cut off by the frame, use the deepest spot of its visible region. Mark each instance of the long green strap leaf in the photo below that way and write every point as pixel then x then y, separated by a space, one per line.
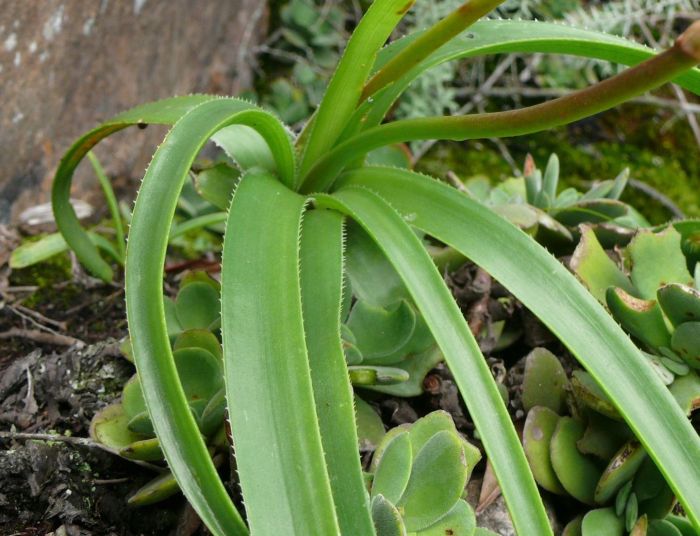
pixel 268 384
pixel 112 205
pixel 321 271
pixel 155 206
pixel 415 267
pixel 344 90
pixel 163 112
pixel 546 287
pixel 648 75
pixel 505 37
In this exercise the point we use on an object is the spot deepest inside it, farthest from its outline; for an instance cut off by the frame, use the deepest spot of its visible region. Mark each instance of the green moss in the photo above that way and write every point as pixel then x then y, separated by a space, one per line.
pixel 633 136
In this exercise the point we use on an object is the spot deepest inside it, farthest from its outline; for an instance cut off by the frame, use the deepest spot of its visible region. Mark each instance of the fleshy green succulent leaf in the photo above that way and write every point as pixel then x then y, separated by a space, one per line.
pixel 640 527
pixel 147 450
pixel 197 306
pixel 602 522
pixel 141 424
pixel 686 342
pixel 656 260
pixel 437 480
pixel 603 436
pixel 380 331
pixel 386 517
pixel 199 338
pixel 321 272
pixel 631 512
pixel 595 269
pixel 562 304
pixel 246 147
pixel 591 211
pixel 460 521
pixel 370 429
pixel 199 277
pixel 369 376
pixel 373 278
pixel 213 413
pixel 537 435
pixel 686 391
pixel 682 524
pixel 158 489
pixel 268 381
pixel 620 470
pixel 132 397
pixel 641 318
pixel 573 527
pixel 587 391
pixel 216 184
pixel 544 381
pixel 200 375
pixel 391 155
pixel 433 300
pixel 661 527
pixel 622 497
pixel 394 469
pixel 577 473
pixel 550 181
pixel 648 482
pixel 680 303
pixel 109 427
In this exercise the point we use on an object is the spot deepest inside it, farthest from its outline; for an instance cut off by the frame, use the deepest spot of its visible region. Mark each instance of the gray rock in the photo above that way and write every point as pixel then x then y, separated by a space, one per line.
pixel 66 65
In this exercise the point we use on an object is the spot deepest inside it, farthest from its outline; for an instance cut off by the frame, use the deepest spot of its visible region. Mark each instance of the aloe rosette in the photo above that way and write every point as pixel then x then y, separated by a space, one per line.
pixel 284 368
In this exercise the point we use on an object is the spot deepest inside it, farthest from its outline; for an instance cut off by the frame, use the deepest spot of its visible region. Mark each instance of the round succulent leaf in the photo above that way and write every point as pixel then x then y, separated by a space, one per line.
pixel 619 471
pixel 370 428
pixel 197 305
pixel 684 526
pixel 425 428
pixel 460 521
pixel 199 276
pixel 686 342
pixel 213 413
pixel 661 527
pixel 648 482
pixel 674 367
pixel 656 259
pixel 394 469
pixel 686 391
pixel 591 211
pixel 602 522
pixel 158 489
pixel 200 374
pixel 573 527
pixel 217 184
pixel 643 319
pixel 386 517
pixel 640 527
pixel 631 512
pixel 380 331
pixel 436 483
pixel 132 397
pixel 539 427
pixel 126 351
pixel 611 234
pixel 199 338
pixel 680 303
pixel 544 381
pixel 109 427
pixel 417 365
pixel 577 473
pixel 660 506
pixel 664 374
pixel 587 391
pixel 622 497
pixel 141 424
pixel 603 436
pixel 690 239
pixel 595 269
pixel 365 375
pixel 171 322
pixel 147 450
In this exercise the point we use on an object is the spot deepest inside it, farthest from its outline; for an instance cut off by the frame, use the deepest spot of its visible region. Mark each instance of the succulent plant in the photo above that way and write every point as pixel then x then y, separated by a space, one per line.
pixel 578 445
pixel 418 477
pixel 652 294
pixel 192 319
pixel 532 203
